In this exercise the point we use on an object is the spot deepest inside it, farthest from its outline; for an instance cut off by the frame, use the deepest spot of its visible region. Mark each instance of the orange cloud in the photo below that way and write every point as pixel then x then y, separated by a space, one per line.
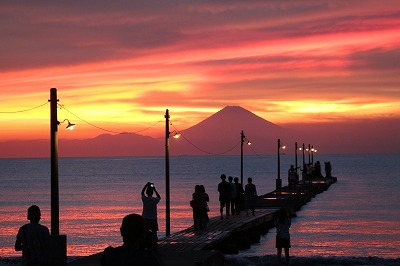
pixel 120 66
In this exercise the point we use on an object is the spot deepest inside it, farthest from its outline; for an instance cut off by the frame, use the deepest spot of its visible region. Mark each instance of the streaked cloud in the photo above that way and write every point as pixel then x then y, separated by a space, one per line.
pixel 121 64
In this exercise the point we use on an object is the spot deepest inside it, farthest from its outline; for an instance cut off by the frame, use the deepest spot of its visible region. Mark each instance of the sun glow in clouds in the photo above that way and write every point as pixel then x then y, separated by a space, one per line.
pixel 287 62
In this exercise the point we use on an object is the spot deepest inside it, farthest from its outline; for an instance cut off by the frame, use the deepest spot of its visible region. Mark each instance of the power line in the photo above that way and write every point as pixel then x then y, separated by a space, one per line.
pixel 202 150
pixel 25 110
pixel 254 152
pixel 111 131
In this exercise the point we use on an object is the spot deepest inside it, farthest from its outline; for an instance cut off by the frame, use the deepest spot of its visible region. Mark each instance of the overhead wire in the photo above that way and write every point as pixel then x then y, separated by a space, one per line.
pixel 202 150
pixel 24 110
pixel 62 106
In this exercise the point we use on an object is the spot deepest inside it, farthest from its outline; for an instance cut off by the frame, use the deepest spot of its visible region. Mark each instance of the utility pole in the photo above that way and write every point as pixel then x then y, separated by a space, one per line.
pixel 58 242
pixel 167 192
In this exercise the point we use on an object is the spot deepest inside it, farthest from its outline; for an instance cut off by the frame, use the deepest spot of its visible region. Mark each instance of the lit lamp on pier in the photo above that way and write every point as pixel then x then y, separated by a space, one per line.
pixel 312 154
pixel 58 242
pixel 279 180
pixel 295 154
pixel 175 135
pixel 242 140
pixel 309 153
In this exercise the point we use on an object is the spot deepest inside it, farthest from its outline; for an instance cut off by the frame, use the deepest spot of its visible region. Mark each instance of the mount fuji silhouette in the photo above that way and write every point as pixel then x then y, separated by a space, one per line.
pixel 221 134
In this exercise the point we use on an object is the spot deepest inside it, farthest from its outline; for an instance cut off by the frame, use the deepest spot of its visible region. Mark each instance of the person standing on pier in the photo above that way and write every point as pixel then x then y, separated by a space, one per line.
pixel 283 223
pixel 233 195
pixel 206 218
pixel 199 205
pixel 239 196
pixel 150 207
pixel 328 169
pixel 292 177
pixel 224 189
pixel 250 193
pixel 33 239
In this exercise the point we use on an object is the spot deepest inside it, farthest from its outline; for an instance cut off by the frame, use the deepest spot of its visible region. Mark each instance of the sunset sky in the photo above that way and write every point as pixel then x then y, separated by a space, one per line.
pixel 117 65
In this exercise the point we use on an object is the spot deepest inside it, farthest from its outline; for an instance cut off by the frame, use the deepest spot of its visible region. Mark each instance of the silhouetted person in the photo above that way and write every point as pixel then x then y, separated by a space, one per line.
pixel 239 196
pixel 292 177
pixel 133 231
pixel 328 169
pixel 304 172
pixel 317 169
pixel 250 193
pixel 34 240
pixel 310 170
pixel 199 205
pixel 224 189
pixel 283 224
pixel 150 207
pixel 233 195
pixel 206 218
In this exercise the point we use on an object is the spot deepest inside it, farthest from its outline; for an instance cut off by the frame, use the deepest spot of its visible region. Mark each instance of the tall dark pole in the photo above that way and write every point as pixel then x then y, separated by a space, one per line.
pixel 295 151
pixel 309 152
pixel 241 157
pixel 303 154
pixel 167 199
pixel 55 220
pixel 312 154
pixel 279 180
pixel 58 254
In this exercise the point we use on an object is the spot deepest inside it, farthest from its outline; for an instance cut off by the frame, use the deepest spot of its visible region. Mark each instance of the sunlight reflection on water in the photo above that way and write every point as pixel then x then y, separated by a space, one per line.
pixel 357 216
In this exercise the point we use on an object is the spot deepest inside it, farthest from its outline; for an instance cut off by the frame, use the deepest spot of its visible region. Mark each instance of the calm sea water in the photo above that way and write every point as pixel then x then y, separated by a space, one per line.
pixel 358 216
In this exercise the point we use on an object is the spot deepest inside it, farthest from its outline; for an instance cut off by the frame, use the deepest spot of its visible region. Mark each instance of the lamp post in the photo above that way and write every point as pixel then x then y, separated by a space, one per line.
pixel 167 198
pixel 59 242
pixel 303 148
pixel 241 157
pixel 242 139
pixel 309 153
pixel 295 151
pixel 279 180
pixel 55 221
pixel 312 154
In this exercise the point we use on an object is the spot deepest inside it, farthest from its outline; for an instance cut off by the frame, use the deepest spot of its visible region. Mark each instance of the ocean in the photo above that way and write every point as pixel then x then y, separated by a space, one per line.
pixel 356 221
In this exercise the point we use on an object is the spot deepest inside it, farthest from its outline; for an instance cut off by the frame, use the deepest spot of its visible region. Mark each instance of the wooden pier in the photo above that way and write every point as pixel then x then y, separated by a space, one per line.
pixel 216 232
pixel 206 247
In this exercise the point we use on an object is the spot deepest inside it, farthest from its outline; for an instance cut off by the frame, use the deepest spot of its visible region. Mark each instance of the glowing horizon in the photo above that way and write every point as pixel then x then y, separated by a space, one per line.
pixel 119 66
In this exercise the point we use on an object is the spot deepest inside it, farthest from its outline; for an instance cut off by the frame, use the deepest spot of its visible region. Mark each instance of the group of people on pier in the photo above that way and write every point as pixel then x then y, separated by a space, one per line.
pixel 232 197
pixel 309 171
pixel 139 232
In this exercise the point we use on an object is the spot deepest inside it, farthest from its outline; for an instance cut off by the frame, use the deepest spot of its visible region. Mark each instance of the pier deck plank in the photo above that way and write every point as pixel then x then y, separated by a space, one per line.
pixel 189 247
pixel 216 231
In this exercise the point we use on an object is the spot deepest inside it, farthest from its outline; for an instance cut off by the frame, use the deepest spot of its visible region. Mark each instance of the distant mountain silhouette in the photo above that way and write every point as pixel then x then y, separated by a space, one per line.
pixel 124 144
pixel 221 134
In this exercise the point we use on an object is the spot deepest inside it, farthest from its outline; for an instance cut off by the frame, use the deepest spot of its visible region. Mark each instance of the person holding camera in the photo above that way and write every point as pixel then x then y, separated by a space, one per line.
pixel 149 213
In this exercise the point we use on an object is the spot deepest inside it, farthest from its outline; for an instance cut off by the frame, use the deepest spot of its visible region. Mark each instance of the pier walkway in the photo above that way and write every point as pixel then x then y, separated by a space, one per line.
pixel 206 247
pixel 217 231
